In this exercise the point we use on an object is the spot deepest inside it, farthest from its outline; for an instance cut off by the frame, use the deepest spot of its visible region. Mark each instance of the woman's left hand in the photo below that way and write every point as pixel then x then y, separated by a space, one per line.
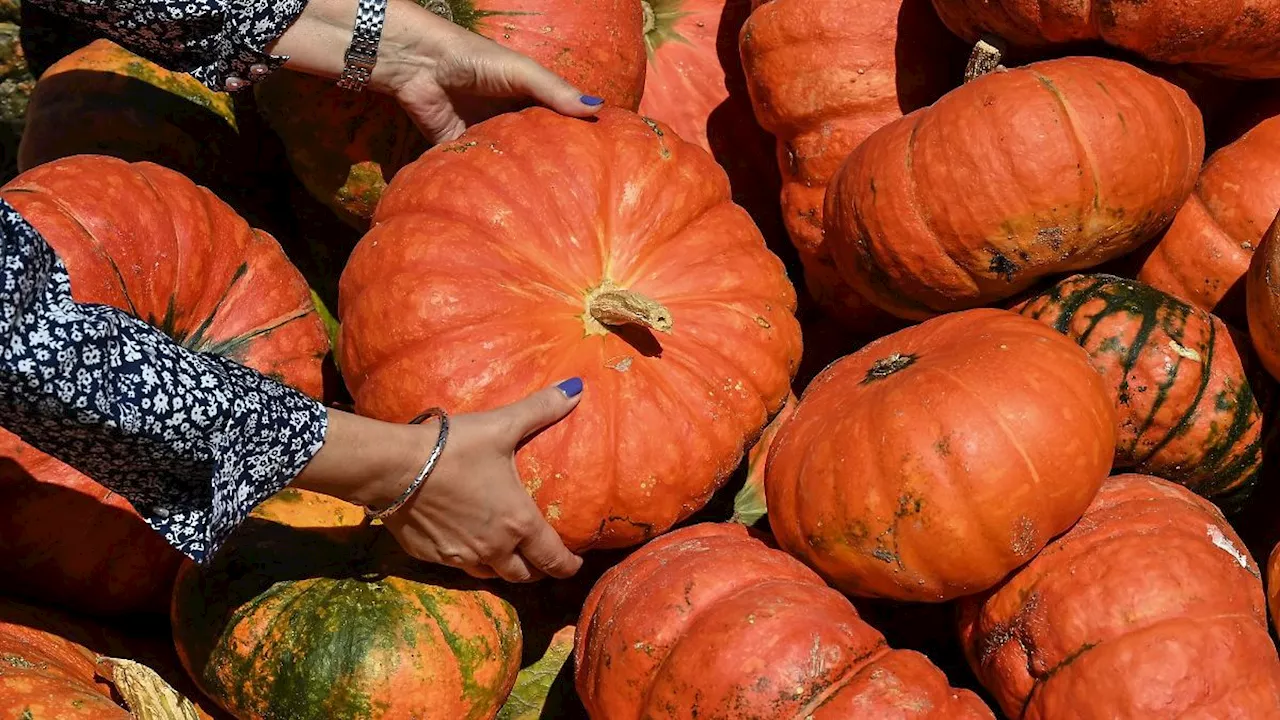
pixel 436 69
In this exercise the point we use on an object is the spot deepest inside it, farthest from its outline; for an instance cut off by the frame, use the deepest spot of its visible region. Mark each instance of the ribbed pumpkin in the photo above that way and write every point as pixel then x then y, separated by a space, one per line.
pixel 103 99
pixel 1056 166
pixel 1263 295
pixel 345 147
pixel 539 247
pixel 147 240
pixel 1150 608
pixel 822 83
pixel 1231 39
pixel 306 615
pixel 935 460
pixel 1185 405
pixel 1205 254
pixel 711 623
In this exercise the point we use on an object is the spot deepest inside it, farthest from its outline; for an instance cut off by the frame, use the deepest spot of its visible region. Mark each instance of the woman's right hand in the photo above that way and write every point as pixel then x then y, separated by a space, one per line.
pixel 472 512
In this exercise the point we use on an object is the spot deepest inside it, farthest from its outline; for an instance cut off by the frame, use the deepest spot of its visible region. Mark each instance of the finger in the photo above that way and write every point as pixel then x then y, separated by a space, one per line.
pixel 545 551
pixel 482 572
pixel 526 77
pixel 513 568
pixel 527 416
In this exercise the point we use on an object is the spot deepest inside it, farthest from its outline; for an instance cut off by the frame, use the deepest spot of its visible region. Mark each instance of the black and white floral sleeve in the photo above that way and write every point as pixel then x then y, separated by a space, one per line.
pixel 210 39
pixel 193 441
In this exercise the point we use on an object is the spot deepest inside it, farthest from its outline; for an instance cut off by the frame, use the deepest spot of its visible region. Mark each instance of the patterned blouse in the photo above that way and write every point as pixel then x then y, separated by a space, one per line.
pixel 193 441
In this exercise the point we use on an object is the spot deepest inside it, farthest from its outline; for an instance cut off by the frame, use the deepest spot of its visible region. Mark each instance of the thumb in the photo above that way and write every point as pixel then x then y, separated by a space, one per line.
pixel 541 409
pixel 544 550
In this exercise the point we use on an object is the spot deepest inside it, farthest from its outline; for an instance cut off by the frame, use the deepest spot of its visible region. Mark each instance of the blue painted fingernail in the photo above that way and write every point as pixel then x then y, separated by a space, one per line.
pixel 591 100
pixel 571 387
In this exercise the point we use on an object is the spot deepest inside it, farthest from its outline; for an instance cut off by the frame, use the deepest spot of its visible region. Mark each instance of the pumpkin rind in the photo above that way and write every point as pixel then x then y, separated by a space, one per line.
pixel 1149 608
pixel 1205 254
pixel 346 147
pixel 319 620
pixel 708 622
pixel 152 243
pixel 1056 166
pixel 1230 39
pixel 494 249
pixel 1186 407
pixel 935 460
pixel 822 84
pixel 1262 293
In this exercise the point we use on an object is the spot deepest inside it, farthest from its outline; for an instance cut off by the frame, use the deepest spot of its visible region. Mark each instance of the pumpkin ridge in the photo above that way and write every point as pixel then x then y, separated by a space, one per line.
pixel 1217 452
pixel 922 210
pixel 1073 129
pixel 641 264
pixel 469 658
pixel 174 242
pixel 997 417
pixel 231 346
pixel 857 666
pixel 718 351
pixel 240 691
pixel 1184 422
pixel 196 339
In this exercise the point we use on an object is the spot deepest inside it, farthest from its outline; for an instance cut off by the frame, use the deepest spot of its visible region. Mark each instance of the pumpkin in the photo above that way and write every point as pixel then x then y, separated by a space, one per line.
pixel 538 247
pixel 1233 40
pixel 1149 608
pixel 16 85
pixel 306 613
pixel 932 462
pixel 999 183
pixel 1273 585
pixel 148 241
pixel 1185 405
pixel 345 147
pixel 1205 254
pixel 749 503
pixel 694 83
pixel 709 622
pixel 822 84
pixel 105 100
pixel 1263 296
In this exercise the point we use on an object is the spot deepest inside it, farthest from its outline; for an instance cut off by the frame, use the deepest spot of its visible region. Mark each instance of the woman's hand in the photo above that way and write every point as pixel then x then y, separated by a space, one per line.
pixel 472 512
pixel 433 67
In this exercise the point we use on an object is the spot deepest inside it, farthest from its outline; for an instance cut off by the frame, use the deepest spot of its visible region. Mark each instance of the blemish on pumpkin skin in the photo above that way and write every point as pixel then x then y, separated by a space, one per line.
pixel 1024 537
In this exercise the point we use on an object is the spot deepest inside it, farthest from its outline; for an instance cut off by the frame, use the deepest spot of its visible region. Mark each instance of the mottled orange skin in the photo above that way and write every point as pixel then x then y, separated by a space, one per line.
pixel 103 99
pixel 1052 167
pixel 1204 255
pixel 822 83
pixel 932 462
pixel 1262 294
pixel 147 240
pixel 69 541
pixel 47 677
pixel 487 248
pixel 346 147
pixel 710 623
pixel 1150 608
pixel 1233 39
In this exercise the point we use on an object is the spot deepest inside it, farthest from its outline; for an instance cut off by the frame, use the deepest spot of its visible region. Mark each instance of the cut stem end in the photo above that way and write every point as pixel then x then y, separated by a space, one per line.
pixel 610 305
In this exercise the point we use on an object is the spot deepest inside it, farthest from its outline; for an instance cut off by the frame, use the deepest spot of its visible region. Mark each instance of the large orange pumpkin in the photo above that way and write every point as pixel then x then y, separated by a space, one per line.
pixel 1263 296
pixel 345 147
pixel 1150 608
pixel 1052 167
pixel 309 614
pixel 1185 404
pixel 1205 254
pixel 935 460
pixel 539 247
pixel 148 241
pixel 823 75
pixel 709 622
pixel 1232 39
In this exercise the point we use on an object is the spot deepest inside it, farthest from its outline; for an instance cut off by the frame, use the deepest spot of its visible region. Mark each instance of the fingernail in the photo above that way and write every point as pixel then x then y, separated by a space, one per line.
pixel 591 100
pixel 234 83
pixel 571 387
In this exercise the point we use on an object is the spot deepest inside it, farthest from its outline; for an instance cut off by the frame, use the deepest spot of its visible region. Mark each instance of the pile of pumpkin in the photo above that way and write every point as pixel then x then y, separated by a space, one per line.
pixel 1048 328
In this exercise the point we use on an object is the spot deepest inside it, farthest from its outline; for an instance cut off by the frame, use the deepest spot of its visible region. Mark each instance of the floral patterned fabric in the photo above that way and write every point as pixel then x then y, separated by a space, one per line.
pixel 193 441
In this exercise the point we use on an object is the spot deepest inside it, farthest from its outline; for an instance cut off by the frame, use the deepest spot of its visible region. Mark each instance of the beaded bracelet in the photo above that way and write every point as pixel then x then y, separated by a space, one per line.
pixel 427 467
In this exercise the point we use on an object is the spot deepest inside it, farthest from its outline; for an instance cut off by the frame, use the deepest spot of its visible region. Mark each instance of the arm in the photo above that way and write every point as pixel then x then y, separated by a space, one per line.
pixel 426 62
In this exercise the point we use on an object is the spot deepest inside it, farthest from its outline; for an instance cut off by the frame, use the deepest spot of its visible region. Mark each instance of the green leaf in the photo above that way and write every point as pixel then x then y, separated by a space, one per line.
pixel 536 683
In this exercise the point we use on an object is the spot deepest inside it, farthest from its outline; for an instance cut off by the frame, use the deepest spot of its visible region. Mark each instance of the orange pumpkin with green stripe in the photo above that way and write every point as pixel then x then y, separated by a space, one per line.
pixel 345 147
pixel 306 615
pixel 1185 404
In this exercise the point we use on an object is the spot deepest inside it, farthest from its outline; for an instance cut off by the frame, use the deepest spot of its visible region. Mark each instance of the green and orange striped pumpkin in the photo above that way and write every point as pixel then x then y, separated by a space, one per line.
pixel 308 615
pixel 1186 406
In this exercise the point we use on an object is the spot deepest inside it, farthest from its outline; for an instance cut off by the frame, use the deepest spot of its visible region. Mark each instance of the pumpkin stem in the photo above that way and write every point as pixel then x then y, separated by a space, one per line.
pixel 985 58
pixel 148 696
pixel 612 305
pixel 884 367
pixel 650 17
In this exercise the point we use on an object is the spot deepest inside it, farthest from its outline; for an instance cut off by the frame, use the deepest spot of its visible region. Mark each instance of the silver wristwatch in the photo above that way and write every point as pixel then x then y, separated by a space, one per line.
pixel 371 15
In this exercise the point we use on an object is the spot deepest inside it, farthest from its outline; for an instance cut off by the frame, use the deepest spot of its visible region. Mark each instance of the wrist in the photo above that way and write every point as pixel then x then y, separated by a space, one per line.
pixel 368 462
